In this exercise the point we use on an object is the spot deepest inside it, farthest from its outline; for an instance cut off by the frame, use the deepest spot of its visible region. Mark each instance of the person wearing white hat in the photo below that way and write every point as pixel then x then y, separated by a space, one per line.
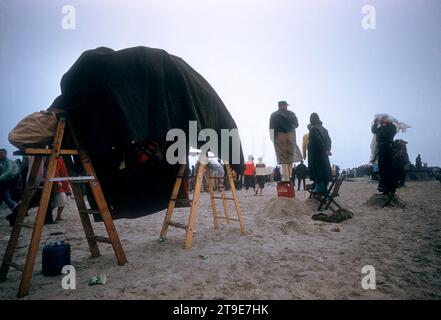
pixel 260 175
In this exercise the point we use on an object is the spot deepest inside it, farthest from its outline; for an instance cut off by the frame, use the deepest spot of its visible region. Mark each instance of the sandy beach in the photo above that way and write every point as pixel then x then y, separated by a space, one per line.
pixel 284 255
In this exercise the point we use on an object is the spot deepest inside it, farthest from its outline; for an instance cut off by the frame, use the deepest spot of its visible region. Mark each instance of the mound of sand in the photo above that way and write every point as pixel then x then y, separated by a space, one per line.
pixel 285 208
pixel 377 200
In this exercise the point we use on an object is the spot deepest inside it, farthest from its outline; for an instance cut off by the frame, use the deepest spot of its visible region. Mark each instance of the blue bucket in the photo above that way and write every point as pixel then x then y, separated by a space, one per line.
pixel 56 254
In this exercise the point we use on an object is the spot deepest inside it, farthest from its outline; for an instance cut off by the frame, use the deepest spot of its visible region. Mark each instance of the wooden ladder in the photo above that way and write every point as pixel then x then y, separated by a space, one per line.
pixel 189 228
pixel 84 212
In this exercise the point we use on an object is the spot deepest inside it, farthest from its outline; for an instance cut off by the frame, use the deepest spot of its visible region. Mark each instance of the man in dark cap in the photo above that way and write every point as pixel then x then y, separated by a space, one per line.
pixel 283 123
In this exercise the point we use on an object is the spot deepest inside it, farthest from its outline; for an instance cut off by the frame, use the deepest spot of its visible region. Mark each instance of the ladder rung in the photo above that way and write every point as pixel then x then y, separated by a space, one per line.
pixel 100 239
pixel 16 266
pixel 222 198
pixel 27 225
pixel 89 211
pixel 38 151
pixel 80 179
pixel 232 219
pixel 177 225
pixel 181 200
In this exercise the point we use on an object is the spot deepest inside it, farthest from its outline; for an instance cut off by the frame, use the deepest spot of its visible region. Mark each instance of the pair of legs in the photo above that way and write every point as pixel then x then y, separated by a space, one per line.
pixel 249 182
pixel 8 199
pixel 5 191
pixel 320 187
pixel 49 219
pixel 299 182
pixel 260 184
pixel 286 171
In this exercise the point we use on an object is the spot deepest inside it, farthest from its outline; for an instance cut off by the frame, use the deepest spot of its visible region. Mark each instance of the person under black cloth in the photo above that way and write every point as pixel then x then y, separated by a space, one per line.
pixel 385 131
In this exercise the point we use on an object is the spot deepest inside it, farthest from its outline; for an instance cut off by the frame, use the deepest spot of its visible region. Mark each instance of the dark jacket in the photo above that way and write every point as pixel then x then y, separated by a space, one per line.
pixel 301 171
pixel 283 121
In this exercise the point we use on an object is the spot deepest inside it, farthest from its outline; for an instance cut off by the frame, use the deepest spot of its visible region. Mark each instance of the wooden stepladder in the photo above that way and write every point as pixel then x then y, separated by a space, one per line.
pixel 189 228
pixel 84 212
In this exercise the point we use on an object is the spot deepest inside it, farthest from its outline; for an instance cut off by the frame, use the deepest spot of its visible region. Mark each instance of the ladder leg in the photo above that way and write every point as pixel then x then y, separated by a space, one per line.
pixel 81 205
pixel 213 202
pixel 42 210
pixel 172 201
pixel 236 202
pixel 38 227
pixel 194 205
pixel 103 208
pixel 15 234
pixel 226 210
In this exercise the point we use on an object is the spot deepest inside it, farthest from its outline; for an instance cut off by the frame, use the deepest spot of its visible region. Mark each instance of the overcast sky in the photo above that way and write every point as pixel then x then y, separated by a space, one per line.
pixel 314 54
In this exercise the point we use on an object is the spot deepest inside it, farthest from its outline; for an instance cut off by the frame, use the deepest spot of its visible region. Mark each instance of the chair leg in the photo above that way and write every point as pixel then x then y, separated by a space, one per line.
pixel 323 201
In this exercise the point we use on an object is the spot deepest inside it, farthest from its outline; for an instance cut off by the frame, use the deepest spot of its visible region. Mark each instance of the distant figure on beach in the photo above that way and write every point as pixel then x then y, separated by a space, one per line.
pixel 284 122
pixel 9 174
pixel 301 173
pixel 260 176
pixel 319 150
pixel 385 132
pixel 250 171
pixel 418 163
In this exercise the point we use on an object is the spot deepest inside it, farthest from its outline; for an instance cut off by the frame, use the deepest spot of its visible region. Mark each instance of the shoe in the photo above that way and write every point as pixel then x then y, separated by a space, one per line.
pixel 13 216
pixel 11 219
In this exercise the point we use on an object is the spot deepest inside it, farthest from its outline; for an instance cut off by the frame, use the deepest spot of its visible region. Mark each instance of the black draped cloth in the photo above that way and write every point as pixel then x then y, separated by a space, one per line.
pixel 121 102
pixel 385 137
pixel 319 146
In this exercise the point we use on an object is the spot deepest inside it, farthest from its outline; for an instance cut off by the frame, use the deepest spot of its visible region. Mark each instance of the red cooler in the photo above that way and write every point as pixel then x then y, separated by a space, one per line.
pixel 285 189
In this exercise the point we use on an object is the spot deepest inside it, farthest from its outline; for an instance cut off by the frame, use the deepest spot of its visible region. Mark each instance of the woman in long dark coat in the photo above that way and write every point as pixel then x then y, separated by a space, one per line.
pixel 319 149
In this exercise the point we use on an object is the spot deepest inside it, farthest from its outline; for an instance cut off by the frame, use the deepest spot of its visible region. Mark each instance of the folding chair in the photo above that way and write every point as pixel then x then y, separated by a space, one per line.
pixel 326 199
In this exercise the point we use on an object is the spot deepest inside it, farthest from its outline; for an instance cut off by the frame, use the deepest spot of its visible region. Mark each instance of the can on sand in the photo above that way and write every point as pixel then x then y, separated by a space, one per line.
pixel 98 279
